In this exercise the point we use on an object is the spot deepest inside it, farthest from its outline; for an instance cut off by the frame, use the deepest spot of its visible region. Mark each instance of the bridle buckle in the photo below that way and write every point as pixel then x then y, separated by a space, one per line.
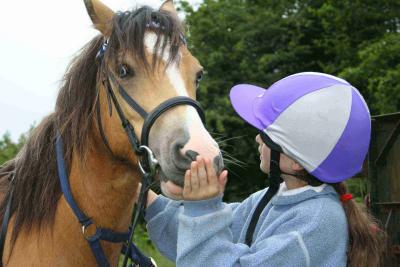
pixel 89 232
pixel 151 161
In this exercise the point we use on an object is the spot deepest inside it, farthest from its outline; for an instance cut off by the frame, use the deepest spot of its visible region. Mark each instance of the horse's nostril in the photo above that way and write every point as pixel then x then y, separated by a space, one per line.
pixel 177 146
pixel 191 154
pixel 183 158
pixel 219 163
pixel 180 160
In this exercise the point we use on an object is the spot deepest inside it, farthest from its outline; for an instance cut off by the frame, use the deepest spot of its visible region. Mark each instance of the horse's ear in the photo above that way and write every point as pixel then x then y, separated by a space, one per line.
pixel 169 6
pixel 100 14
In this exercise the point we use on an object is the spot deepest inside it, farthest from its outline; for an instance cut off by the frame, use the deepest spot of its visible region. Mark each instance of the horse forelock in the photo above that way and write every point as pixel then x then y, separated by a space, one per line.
pixel 129 30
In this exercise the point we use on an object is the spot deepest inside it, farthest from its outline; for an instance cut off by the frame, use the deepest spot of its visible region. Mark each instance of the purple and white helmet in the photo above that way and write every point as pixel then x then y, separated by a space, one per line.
pixel 319 120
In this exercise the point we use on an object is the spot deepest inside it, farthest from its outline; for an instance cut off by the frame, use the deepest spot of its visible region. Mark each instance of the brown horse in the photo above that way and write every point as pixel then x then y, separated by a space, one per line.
pixel 150 60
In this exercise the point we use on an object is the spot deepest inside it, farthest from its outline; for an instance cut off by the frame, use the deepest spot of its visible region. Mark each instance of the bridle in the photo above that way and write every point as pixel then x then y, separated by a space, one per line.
pixel 147 163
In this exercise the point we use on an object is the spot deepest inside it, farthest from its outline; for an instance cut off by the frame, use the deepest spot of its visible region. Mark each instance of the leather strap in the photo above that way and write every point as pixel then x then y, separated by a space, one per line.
pixel 137 210
pixel 268 141
pixel 164 106
pixel 127 98
pixel 4 225
pixel 129 130
pixel 149 118
pixel 100 126
pixel 136 256
pixel 65 187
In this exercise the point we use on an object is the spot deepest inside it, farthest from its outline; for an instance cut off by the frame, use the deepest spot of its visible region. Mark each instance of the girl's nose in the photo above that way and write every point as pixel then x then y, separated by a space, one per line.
pixel 258 139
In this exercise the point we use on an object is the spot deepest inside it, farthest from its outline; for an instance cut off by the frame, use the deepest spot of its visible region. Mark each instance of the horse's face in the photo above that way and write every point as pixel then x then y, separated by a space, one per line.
pixel 178 135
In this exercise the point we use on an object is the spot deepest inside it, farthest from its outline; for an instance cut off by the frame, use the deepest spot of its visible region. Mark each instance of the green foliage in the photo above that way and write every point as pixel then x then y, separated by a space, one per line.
pixel 261 41
pixel 379 73
pixel 8 148
pixel 358 187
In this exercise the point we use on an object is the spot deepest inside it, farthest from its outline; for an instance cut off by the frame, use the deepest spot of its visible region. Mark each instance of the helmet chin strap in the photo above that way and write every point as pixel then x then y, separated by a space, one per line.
pixel 274 182
pixel 311 180
pixel 308 178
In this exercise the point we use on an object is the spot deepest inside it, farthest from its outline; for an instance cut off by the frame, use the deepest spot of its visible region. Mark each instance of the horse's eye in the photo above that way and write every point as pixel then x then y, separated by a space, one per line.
pixel 199 77
pixel 124 71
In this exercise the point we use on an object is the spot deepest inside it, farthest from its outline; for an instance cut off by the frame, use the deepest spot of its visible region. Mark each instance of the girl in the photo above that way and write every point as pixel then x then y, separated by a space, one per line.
pixel 314 134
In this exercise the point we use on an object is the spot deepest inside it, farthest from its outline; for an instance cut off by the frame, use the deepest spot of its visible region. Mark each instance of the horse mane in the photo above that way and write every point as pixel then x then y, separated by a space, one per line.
pixel 36 187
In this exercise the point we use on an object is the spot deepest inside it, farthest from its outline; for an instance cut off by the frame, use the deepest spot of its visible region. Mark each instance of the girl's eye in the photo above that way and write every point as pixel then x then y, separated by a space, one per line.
pixel 199 77
pixel 123 71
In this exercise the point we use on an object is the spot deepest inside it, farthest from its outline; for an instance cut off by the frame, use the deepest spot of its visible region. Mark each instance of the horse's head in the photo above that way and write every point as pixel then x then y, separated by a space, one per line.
pixel 147 55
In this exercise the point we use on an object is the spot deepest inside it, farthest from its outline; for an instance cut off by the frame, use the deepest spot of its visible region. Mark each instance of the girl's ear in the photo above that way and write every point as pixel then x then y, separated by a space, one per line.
pixel 296 166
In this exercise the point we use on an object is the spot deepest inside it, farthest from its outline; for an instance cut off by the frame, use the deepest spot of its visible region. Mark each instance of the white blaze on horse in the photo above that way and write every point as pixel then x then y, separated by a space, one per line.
pixel 140 55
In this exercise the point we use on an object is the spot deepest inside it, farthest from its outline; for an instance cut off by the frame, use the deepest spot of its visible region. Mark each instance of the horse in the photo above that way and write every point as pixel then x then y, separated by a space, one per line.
pixel 145 52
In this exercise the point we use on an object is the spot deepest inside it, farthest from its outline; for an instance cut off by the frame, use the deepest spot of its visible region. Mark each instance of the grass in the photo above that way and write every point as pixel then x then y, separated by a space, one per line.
pixel 143 242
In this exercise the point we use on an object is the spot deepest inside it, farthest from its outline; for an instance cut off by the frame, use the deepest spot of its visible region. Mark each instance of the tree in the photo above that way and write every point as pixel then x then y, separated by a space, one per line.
pixel 261 41
pixel 8 149
pixel 379 73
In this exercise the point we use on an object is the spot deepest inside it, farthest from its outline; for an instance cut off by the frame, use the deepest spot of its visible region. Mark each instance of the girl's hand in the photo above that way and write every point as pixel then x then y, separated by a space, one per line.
pixel 201 181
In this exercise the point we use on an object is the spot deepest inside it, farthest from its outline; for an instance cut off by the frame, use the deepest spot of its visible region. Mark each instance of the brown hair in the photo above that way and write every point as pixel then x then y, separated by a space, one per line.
pixel 36 187
pixel 367 241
